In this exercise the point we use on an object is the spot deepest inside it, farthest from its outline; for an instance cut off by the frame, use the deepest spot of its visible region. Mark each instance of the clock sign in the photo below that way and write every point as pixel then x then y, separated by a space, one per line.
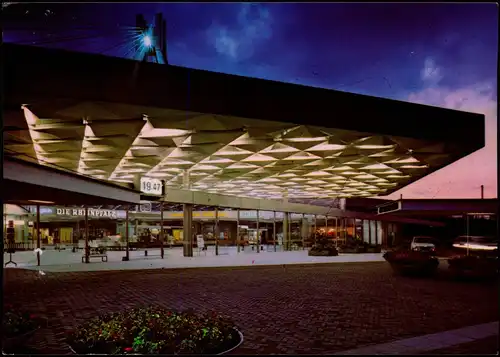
pixel 151 186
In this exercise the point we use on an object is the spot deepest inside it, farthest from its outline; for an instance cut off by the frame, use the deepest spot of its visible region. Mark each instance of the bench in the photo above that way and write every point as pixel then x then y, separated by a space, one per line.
pixel 104 257
pixel 95 253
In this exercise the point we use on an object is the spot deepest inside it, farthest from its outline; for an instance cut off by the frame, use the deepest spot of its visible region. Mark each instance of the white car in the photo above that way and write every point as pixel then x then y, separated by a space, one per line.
pixel 476 243
pixel 422 243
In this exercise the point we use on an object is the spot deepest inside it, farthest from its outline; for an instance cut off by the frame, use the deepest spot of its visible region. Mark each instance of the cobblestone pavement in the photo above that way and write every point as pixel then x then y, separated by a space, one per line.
pixel 281 310
pixel 486 346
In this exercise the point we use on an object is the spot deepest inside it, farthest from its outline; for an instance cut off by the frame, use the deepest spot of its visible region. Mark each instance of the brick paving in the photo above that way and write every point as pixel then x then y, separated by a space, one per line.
pixel 280 310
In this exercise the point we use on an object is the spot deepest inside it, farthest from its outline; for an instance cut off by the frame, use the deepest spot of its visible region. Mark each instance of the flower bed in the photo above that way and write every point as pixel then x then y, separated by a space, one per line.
pixel 154 330
pixel 17 328
pixel 408 262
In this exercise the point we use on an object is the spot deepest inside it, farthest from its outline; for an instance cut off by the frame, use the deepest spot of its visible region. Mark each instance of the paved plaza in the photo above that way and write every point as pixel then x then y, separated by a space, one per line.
pixel 67 261
pixel 281 309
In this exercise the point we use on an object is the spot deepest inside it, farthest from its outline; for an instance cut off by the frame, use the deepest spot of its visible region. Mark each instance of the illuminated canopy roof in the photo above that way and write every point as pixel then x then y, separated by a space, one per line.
pixel 113 119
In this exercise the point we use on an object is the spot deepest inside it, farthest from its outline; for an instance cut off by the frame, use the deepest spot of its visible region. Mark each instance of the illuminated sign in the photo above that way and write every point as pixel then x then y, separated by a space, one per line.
pixel 81 212
pixel 151 186
pixel 389 207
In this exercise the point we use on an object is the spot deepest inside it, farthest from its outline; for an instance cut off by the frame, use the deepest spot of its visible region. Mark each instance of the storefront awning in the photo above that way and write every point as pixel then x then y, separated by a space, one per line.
pixel 116 119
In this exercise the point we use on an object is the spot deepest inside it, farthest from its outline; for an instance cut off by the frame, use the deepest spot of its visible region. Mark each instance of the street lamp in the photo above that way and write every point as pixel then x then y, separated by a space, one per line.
pixel 146 41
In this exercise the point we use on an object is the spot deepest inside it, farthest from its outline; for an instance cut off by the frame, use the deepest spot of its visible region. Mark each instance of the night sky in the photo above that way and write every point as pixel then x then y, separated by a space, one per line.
pixel 435 54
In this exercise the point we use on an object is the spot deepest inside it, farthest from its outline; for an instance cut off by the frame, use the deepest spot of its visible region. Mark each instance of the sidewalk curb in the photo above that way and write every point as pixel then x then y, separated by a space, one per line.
pixel 429 342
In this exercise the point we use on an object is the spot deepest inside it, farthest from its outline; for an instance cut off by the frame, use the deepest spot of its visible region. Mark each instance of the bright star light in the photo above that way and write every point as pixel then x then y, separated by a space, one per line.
pixel 146 40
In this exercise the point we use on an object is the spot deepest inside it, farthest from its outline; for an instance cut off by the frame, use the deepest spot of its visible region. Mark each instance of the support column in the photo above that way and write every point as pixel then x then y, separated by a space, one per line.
pixel 303 231
pixel 188 230
pixel 285 231
pixel 162 235
pixel 238 229
pixel 136 229
pixel 126 258
pixel 466 219
pixel 258 233
pixel 38 238
pixel 336 232
pixel 370 232
pixel 290 231
pixel 87 248
pixel 315 219
pixel 216 231
pixel 186 180
pixel 274 230
pixel 326 225
pixel 77 235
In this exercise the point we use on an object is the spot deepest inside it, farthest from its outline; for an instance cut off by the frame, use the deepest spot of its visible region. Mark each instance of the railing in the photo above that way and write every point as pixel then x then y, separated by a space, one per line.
pixel 19 246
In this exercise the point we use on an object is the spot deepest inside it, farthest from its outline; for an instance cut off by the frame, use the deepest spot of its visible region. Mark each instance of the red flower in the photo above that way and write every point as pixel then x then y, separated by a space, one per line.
pixel 32 316
pixel 128 349
pixel 100 332
pixel 169 313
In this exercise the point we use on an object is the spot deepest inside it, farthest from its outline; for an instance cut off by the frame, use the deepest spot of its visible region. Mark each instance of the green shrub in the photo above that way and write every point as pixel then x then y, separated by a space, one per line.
pixel 155 330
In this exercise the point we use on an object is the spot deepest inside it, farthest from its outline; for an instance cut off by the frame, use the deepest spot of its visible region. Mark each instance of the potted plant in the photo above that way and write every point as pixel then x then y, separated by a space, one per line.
pixel 155 330
pixel 323 248
pixel 473 266
pixel 374 248
pixel 407 262
pixel 18 327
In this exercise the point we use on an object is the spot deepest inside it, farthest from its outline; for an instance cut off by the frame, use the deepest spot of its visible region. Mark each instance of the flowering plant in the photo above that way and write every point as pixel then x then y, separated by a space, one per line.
pixel 155 330
pixel 17 323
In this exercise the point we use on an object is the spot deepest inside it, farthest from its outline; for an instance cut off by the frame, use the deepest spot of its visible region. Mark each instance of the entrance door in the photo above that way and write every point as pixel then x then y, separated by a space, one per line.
pixel 66 235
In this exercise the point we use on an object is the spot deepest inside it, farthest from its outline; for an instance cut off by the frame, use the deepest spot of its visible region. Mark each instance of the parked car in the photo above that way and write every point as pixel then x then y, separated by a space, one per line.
pixel 476 244
pixel 423 244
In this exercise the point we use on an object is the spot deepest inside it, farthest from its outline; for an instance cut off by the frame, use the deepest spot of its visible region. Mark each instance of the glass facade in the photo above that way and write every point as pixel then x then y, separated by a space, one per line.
pixel 242 228
pixel 366 231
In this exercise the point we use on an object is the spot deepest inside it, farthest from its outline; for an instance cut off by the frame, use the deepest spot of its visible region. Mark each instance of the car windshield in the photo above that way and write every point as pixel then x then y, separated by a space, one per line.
pixel 422 240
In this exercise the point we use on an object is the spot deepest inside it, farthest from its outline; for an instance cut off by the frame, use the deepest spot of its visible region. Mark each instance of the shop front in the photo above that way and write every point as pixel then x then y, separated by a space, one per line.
pixel 20 222
pixel 66 225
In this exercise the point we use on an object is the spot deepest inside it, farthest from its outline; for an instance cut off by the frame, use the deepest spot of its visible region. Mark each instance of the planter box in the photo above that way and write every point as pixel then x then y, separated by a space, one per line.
pixel 322 253
pixel 377 249
pixel 472 267
pixel 221 353
pixel 353 250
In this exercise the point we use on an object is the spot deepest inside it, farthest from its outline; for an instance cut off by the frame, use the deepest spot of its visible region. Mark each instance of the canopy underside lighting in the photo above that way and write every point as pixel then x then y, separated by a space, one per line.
pixel 229 155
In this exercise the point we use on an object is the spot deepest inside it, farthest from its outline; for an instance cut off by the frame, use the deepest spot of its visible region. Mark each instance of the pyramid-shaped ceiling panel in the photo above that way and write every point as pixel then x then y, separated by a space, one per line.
pixel 207 123
pixel 140 151
pixel 60 145
pixel 208 137
pixel 123 141
pixel 90 110
pixel 130 128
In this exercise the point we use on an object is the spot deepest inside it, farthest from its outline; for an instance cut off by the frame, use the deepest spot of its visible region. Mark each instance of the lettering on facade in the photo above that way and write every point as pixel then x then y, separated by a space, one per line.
pixel 92 212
